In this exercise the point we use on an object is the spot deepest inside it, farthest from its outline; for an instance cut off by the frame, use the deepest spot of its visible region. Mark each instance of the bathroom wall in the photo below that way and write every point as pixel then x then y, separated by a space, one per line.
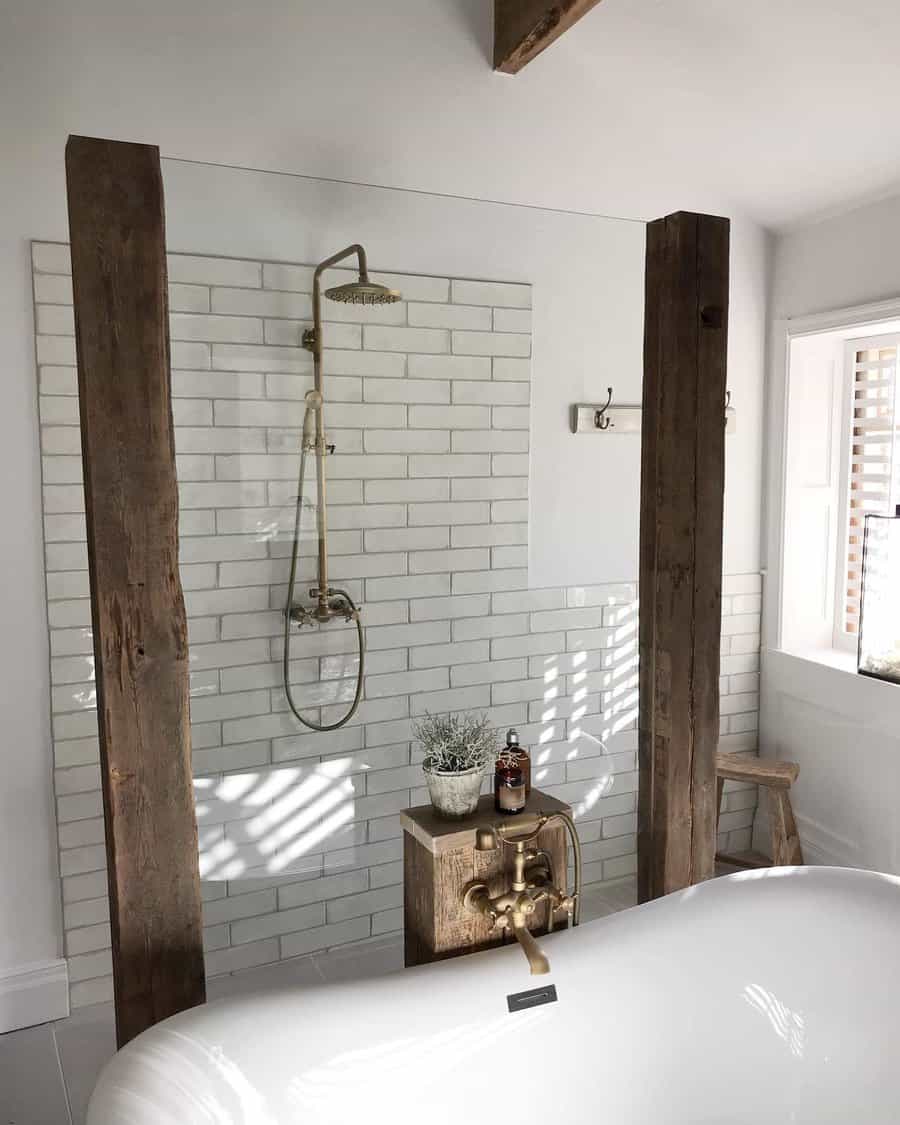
pixel 429 407
pixel 840 727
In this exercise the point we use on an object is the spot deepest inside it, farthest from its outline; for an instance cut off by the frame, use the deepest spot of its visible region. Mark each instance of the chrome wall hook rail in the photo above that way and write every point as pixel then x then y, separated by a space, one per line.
pixel 592 417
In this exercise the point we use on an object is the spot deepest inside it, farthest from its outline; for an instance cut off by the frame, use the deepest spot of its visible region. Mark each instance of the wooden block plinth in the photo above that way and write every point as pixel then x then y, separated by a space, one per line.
pixel 440 860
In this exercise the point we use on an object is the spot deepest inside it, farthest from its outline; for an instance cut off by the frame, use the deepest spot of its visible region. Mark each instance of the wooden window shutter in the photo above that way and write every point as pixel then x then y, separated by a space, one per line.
pixel 874 478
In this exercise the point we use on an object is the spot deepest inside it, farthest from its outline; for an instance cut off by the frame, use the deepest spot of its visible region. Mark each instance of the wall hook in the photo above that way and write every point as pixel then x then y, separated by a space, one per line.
pixel 601 421
pixel 594 418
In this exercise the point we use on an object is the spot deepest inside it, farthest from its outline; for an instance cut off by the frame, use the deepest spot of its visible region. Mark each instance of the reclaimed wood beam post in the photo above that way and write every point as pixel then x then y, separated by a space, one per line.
pixel 524 28
pixel 682 491
pixel 117 231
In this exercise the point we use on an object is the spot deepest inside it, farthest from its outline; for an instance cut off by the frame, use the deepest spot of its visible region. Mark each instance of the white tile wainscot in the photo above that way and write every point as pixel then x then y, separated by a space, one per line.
pixel 428 405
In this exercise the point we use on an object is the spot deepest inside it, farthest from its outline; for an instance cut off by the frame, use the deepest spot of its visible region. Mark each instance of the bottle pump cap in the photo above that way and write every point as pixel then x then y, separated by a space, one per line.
pixel 512 737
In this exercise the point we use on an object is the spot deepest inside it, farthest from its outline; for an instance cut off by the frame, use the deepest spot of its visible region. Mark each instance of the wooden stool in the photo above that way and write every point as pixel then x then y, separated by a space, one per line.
pixel 776 778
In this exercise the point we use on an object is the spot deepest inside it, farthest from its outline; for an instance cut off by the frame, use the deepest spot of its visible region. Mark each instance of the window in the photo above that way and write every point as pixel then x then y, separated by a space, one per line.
pixel 872 471
pixel 837 423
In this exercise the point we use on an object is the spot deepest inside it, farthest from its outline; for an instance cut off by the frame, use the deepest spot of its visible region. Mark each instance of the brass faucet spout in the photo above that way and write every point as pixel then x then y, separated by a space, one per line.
pixel 537 960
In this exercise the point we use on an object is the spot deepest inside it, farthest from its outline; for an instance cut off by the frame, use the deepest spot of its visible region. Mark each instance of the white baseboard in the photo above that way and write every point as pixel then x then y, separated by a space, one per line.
pixel 33 993
pixel 821 846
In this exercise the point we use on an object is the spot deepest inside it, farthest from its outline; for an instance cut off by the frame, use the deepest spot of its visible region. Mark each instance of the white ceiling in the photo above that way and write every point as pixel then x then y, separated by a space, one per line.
pixel 777 110
pixel 788 107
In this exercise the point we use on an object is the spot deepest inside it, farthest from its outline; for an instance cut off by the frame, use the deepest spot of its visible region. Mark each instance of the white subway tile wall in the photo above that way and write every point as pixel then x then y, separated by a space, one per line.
pixel 428 515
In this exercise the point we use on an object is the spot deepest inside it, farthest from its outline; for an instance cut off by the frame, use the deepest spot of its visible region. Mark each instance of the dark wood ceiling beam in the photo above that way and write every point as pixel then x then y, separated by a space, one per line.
pixel 523 28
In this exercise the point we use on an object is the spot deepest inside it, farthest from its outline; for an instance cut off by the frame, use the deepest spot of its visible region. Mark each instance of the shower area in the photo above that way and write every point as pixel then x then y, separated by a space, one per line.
pixel 363 455
pixel 322 618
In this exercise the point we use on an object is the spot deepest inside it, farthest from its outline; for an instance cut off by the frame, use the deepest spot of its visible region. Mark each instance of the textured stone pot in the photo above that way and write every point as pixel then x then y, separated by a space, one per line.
pixel 454 795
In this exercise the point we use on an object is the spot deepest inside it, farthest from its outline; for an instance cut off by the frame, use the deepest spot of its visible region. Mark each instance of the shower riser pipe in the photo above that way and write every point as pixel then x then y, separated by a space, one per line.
pixel 329 603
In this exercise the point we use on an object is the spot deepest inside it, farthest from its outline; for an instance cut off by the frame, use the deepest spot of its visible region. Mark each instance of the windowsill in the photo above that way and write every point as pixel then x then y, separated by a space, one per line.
pixel 838 658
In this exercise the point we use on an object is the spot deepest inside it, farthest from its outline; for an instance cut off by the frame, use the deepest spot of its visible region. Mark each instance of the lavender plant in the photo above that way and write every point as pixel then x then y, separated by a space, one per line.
pixel 456 743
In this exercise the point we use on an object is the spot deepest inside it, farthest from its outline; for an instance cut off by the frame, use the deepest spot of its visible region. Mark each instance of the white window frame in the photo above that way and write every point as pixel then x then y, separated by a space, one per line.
pixel 783 332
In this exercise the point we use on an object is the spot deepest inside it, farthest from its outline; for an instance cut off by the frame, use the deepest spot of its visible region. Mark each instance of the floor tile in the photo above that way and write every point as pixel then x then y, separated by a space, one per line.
pixel 86 1042
pixel 31 1085
pixel 620 896
pixel 594 905
pixel 298 972
pixel 359 962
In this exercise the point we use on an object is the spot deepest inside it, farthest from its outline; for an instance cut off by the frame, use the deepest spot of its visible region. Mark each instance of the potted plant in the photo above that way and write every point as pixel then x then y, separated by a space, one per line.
pixel 458 751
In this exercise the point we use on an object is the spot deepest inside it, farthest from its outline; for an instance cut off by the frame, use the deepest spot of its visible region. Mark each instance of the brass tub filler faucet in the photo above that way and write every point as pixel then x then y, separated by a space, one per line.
pixel 532 883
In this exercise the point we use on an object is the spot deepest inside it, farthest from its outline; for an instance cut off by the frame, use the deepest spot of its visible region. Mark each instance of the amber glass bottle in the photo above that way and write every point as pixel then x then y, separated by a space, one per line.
pixel 509 788
pixel 514 752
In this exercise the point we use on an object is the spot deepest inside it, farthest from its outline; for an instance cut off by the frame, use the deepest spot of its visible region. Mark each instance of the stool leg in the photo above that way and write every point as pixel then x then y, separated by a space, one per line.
pixel 720 786
pixel 786 849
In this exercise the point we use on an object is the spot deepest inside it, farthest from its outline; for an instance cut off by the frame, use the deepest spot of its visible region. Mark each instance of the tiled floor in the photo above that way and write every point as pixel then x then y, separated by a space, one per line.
pixel 47 1072
pixel 32 1091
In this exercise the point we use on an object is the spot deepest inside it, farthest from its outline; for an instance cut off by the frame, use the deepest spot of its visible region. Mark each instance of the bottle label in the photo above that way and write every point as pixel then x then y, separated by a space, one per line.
pixel 511 798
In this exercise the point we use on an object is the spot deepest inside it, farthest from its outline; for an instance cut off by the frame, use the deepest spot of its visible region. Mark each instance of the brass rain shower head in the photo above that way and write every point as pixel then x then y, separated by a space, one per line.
pixel 362 292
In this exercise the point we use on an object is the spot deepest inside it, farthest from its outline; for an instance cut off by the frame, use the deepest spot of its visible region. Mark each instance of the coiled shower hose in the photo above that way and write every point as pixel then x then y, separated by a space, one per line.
pixel 307 722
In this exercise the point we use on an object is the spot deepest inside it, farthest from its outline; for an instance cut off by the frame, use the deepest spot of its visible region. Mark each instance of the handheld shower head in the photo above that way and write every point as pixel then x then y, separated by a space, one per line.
pixel 363 292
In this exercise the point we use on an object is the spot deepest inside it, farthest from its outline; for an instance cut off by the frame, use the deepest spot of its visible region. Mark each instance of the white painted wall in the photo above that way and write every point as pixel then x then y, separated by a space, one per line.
pixel 851 260
pixel 842 730
pixel 410 102
pixel 840 727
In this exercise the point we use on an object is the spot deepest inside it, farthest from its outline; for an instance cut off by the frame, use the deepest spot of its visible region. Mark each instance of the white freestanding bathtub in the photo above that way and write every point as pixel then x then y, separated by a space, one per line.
pixel 765 997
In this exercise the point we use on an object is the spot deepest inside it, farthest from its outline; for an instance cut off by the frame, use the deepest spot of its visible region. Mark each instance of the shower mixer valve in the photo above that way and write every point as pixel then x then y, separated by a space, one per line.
pixel 334 603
